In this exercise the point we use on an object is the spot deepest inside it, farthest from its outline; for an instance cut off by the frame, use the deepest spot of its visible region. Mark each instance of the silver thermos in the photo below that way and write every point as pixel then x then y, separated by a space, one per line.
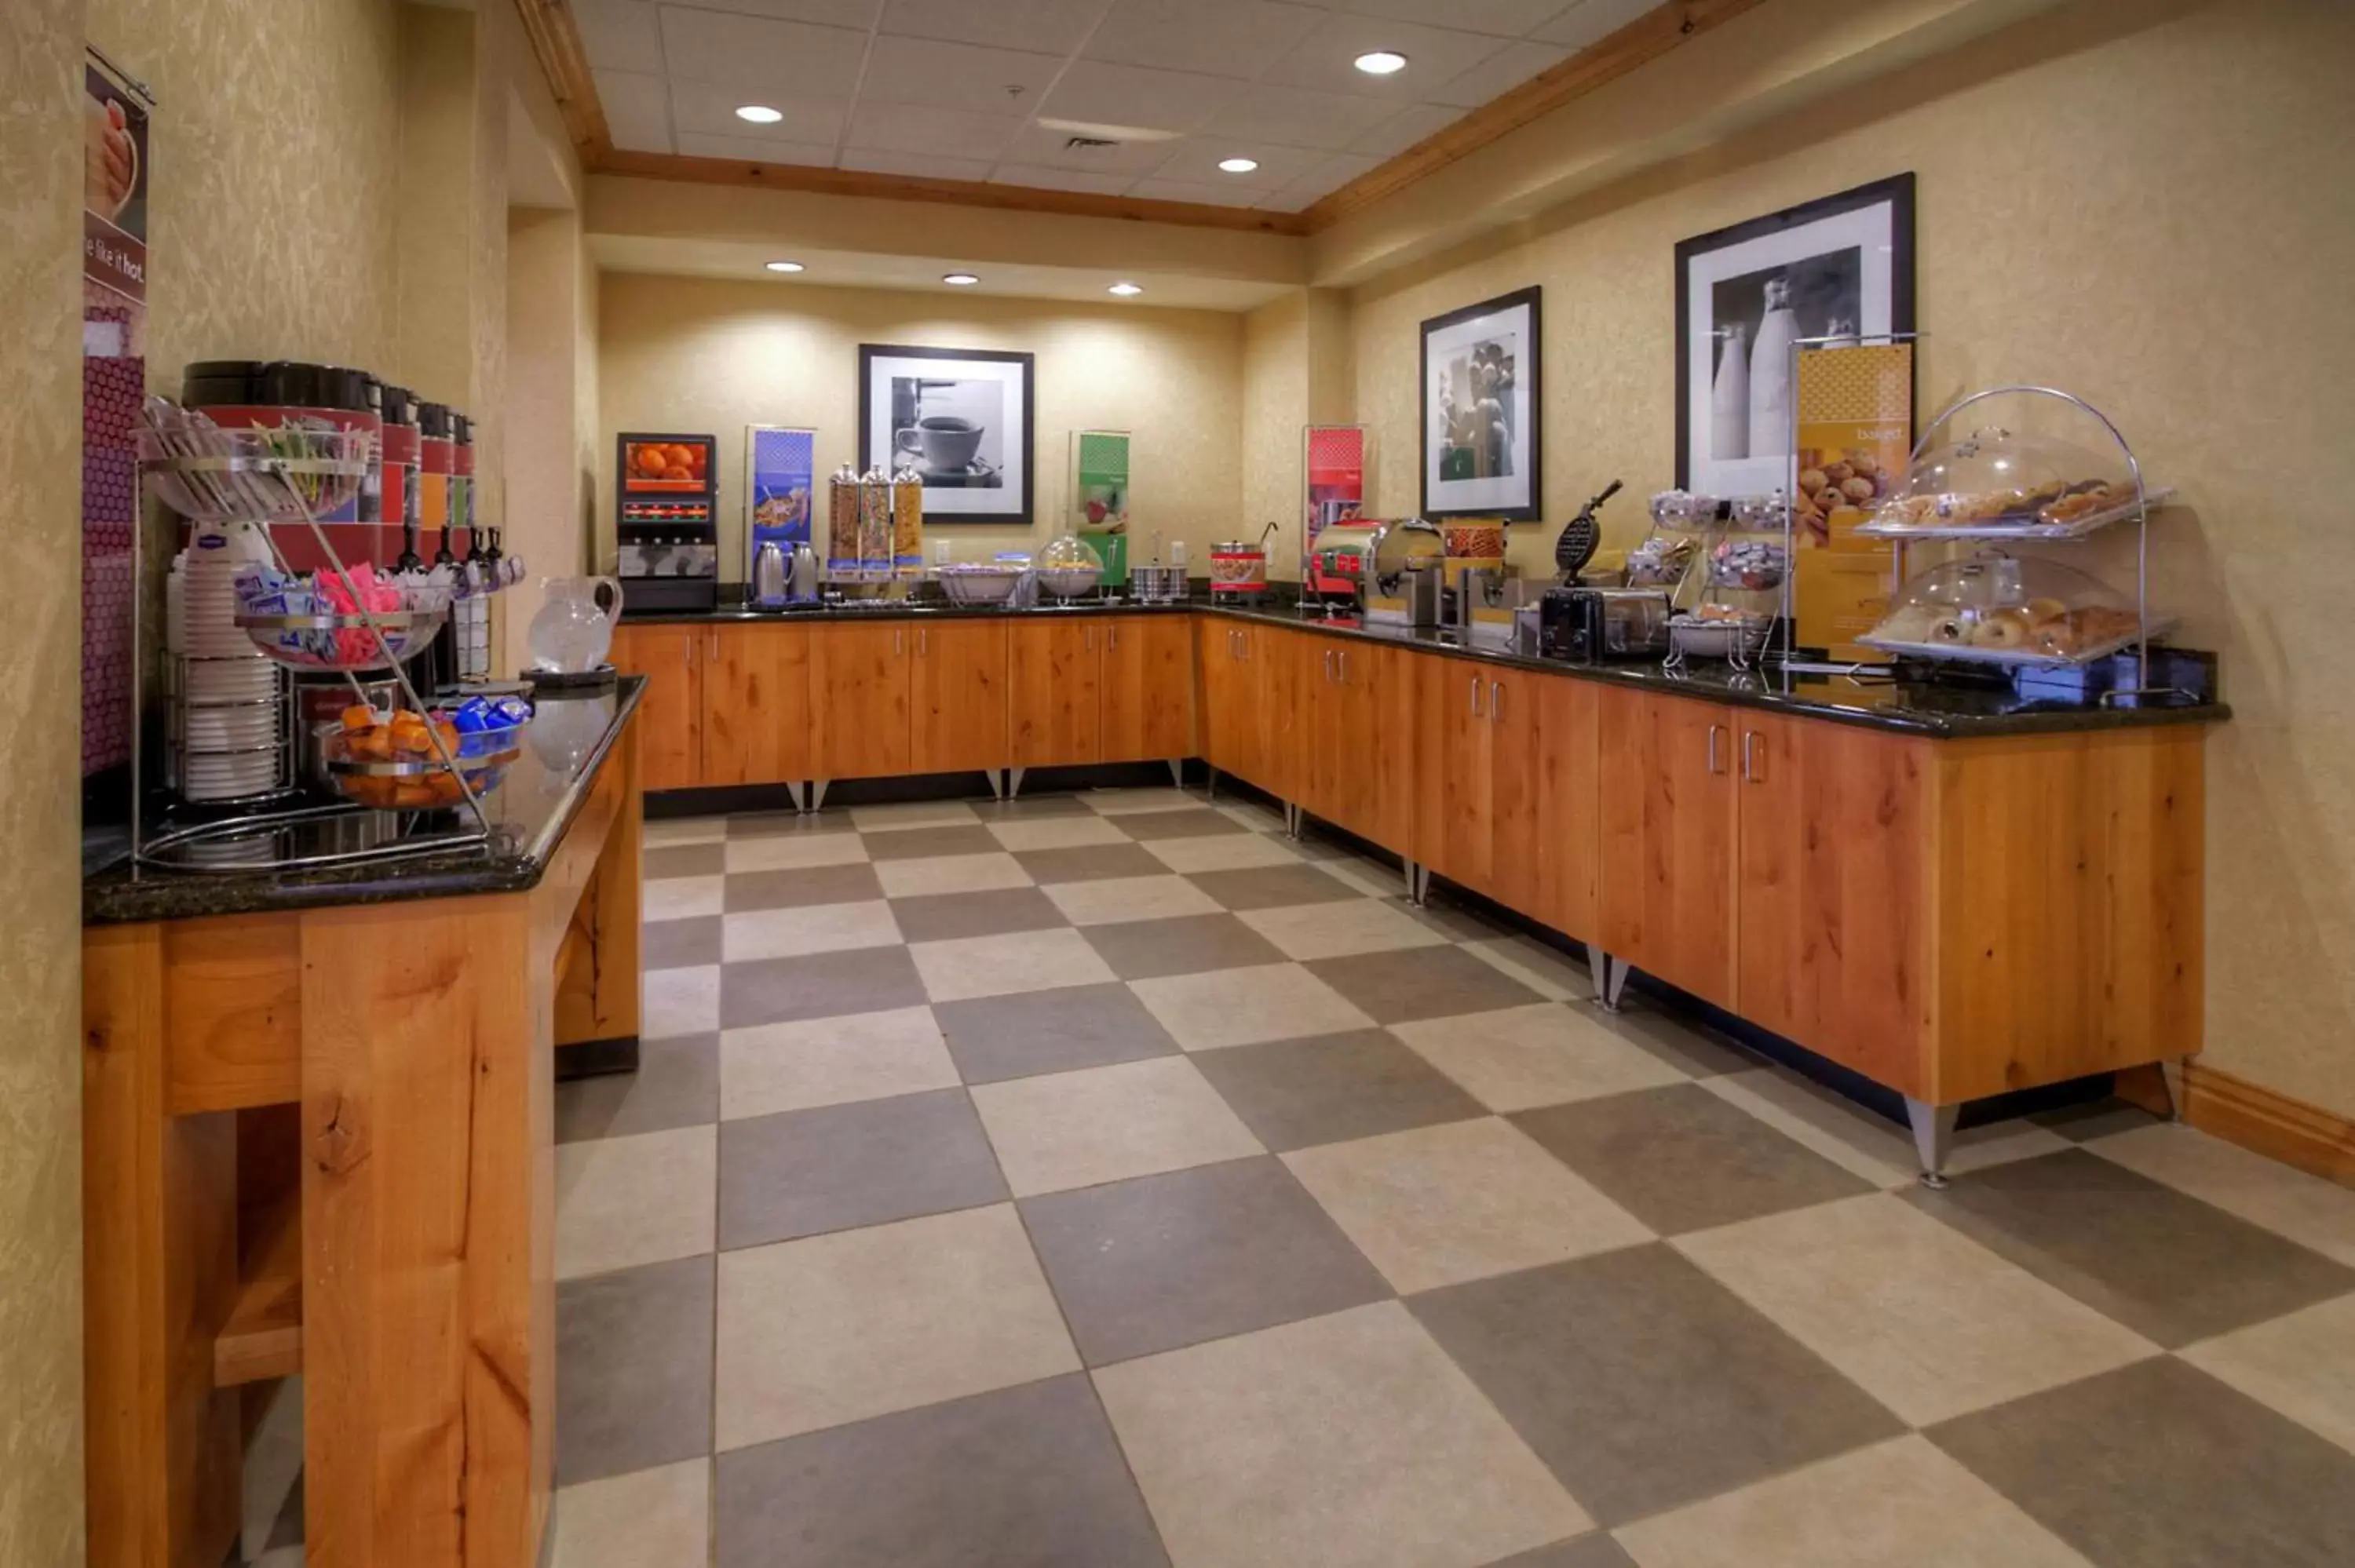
pixel 806 586
pixel 769 576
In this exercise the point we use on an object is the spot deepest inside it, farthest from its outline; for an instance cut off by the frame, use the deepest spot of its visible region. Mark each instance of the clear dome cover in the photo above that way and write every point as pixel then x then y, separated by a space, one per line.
pixel 1997 608
pixel 1068 568
pixel 1994 477
pixel 1066 551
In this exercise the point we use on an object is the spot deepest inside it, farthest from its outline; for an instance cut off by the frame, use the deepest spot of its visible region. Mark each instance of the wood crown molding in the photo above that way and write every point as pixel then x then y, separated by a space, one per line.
pixel 556 39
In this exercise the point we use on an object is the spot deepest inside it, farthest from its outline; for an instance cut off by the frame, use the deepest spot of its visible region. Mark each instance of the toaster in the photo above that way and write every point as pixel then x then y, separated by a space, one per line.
pixel 1590 623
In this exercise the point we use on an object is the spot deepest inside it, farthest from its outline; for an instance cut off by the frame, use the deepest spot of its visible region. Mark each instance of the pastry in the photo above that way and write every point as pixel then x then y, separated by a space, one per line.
pixel 1857 489
pixel 2040 610
pixel 2003 629
pixel 1909 623
pixel 1811 480
pixel 1948 629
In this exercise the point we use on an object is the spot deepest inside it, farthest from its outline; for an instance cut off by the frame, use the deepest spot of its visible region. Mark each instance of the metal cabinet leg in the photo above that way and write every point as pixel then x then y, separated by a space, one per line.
pixel 2171 1070
pixel 794 792
pixel 1292 816
pixel 1178 772
pixel 1418 884
pixel 1934 1138
pixel 1013 782
pixel 1610 977
pixel 817 794
pixel 996 783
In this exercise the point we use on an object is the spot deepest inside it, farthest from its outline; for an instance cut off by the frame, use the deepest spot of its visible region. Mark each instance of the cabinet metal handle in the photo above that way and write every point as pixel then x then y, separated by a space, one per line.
pixel 1112 635
pixel 1495 701
pixel 1345 666
pixel 898 641
pixel 1476 696
pixel 1088 638
pixel 1714 731
pixel 1750 759
pixel 1329 666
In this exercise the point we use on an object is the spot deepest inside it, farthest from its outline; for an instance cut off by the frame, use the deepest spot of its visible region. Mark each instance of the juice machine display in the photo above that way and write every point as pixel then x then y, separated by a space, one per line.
pixel 668 503
pixel 1389 570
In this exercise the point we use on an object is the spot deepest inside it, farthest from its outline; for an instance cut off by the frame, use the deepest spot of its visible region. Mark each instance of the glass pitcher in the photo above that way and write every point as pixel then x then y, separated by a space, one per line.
pixel 575 626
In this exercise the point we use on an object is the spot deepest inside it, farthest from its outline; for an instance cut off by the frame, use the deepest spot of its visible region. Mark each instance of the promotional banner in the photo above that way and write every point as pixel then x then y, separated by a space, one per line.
pixel 1099 508
pixel 1856 440
pixel 114 374
pixel 780 474
pixel 1333 463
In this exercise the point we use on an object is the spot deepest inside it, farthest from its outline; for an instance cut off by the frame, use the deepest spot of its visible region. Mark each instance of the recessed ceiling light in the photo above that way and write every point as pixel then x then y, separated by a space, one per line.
pixel 1382 62
pixel 1125 291
pixel 959 279
pixel 760 113
pixel 783 266
pixel 1239 165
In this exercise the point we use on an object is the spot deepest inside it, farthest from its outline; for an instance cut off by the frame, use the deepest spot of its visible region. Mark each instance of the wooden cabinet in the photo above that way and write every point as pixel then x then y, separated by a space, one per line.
pixel 858 700
pixel 1354 737
pixel 1147 688
pixel 670 715
pixel 957 698
pixel 1567 842
pixel 1454 765
pixel 1667 825
pixel 1277 663
pixel 1056 679
pixel 1231 700
pixel 756 704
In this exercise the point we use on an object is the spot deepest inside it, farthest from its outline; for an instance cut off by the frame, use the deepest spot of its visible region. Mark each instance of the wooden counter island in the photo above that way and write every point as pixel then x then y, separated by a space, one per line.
pixel 318 1137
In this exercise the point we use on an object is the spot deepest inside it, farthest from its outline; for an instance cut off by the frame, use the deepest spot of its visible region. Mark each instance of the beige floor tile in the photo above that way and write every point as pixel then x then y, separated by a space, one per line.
pixel 679 1001
pixel 1337 930
pixel 662 834
pixel 811 929
pixel 1868 1145
pixel 838 1328
pixel 1926 1319
pixel 795 852
pixel 1543 1055
pixel 1245 1007
pixel 1437 1205
pixel 2302 1365
pixel 680 897
pixel 2309 1211
pixel 1106 1124
pixel 930 875
pixel 1120 898
pixel 622 1201
pixel 1221 851
pixel 999 966
pixel 1373 881
pixel 1123 802
pixel 1056 832
pixel 831 1062
pixel 1347 1439
pixel 1901 1501
pixel 1544 971
pixel 912 814
pixel 647 1518
pixel 1259 819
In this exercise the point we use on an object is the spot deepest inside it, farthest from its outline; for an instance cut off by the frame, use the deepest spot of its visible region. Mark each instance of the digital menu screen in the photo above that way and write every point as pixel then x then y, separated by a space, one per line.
pixel 666 465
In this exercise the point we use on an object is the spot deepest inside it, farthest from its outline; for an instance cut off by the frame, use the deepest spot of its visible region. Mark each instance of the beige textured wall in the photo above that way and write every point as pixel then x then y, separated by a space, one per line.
pixel 701 355
pixel 40 868
pixel 544 363
pixel 2145 204
pixel 1275 406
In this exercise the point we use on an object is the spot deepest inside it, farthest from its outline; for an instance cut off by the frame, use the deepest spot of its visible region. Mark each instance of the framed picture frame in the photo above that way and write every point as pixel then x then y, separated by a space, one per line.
pixel 961 417
pixel 1834 269
pixel 1482 441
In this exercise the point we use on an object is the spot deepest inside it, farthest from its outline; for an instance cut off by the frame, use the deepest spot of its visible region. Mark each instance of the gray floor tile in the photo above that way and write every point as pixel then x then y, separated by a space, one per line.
pixel 1591 1550
pixel 772 991
pixel 1643 1383
pixel 1330 1087
pixel 1028 1033
pixel 1272 886
pixel 1679 1159
pixel 1031 808
pixel 680 944
pixel 798 889
pixel 943 916
pixel 1158 1262
pixel 1460 921
pixel 768 824
pixel 2094 1118
pixel 684 860
pixel 2166 1265
pixel 1024 1478
pixel 1185 945
pixel 2160 1466
pixel 633 1369
pixel 1094 862
pixel 1687 1046
pixel 1191 822
pixel 931 844
pixel 1423 983
pixel 803 1172
pixel 677 1085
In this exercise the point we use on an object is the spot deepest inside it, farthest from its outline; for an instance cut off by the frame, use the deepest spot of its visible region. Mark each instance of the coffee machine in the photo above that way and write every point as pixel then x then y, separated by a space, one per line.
pixel 666 493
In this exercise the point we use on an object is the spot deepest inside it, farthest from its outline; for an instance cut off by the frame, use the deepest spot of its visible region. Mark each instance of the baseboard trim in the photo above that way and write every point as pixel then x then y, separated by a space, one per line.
pixel 2272 1124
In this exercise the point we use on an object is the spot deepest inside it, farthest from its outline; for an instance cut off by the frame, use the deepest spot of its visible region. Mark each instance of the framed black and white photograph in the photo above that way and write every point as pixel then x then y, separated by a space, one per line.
pixel 960 418
pixel 1838 269
pixel 1480 410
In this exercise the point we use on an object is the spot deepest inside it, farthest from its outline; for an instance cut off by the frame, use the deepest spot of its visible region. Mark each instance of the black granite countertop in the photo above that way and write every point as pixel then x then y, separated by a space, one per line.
pixel 537 800
pixel 733 611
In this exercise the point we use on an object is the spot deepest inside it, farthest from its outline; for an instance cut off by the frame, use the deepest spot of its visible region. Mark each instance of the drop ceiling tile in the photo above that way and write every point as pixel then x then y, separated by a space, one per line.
pixel 1046 179
pixel 1504 18
pixel 1195 191
pixel 1037 145
pixel 1051 27
pixel 1195 158
pixel 752 150
pixel 1589 20
pixel 1298 116
pixel 708 109
pixel 780 59
pixel 1105 94
pixel 637 110
pixel 1498 75
pixel 1324 60
pixel 619 35
pixel 911 128
pixel 923 165
pixel 1218 37
pixel 955 76
pixel 1404 129
pixel 859 14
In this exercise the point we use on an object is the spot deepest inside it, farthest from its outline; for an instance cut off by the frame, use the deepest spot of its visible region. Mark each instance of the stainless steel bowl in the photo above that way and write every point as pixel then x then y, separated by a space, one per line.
pixel 1069 582
pixel 980 585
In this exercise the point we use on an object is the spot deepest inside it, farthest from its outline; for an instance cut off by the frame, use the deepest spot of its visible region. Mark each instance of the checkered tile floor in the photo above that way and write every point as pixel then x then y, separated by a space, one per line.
pixel 1106 1180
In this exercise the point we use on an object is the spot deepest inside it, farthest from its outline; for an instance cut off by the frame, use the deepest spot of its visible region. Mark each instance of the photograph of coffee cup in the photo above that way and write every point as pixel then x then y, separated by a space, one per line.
pixel 959 419
pixel 945 441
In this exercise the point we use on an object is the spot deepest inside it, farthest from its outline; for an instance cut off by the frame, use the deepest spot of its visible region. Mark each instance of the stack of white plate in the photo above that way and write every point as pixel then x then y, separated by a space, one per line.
pixel 228 726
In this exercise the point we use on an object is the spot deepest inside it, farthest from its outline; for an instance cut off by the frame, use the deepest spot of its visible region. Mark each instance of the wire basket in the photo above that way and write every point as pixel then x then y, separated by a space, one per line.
pixel 289 474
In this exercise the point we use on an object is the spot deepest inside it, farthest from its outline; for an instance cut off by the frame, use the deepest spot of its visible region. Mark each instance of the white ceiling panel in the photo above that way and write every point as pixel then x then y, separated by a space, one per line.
pixel 708 109
pixel 1194 191
pixel 1048 149
pixel 929 166
pixel 1503 19
pixel 752 150
pixel 1197 158
pixel 858 14
pixel 1298 116
pixel 1498 74
pixel 914 129
pixel 1105 94
pixel 1051 27
pixel 1590 20
pixel 956 76
pixel 1047 179
pixel 637 110
pixel 1217 37
pixel 777 59
pixel 1326 59
pixel 619 35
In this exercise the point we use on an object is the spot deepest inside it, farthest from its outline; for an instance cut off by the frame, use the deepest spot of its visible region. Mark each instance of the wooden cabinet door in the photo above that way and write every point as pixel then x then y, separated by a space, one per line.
pixel 1231 715
pixel 756 704
pixel 1831 914
pixel 1668 845
pixel 1378 744
pixel 1276 666
pixel 1148 688
pixel 1516 788
pixel 858 701
pixel 1455 757
pixel 670 715
pixel 1569 785
pixel 1056 686
pixel 957 701
pixel 1317 783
